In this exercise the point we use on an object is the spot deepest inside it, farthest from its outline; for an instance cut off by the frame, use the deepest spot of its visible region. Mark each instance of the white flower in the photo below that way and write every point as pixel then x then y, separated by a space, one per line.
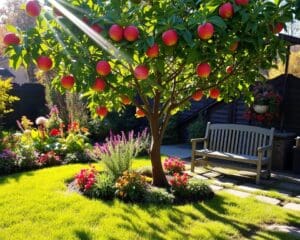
pixel 41 121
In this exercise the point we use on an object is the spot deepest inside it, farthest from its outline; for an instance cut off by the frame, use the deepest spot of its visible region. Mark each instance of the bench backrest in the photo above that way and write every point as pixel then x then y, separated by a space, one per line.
pixel 237 139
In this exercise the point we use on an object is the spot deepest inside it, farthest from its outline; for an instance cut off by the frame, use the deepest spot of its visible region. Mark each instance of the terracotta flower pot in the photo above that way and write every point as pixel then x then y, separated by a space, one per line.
pixel 261 108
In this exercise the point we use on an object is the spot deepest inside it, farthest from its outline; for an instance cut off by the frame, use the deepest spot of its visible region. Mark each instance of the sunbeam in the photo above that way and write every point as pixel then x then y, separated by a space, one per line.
pixel 102 42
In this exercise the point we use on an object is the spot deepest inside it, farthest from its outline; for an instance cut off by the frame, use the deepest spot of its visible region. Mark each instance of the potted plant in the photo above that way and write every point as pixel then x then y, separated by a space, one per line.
pixel 266 105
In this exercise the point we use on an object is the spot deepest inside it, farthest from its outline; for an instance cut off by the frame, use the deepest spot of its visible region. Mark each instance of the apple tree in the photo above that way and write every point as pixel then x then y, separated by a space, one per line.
pixel 158 55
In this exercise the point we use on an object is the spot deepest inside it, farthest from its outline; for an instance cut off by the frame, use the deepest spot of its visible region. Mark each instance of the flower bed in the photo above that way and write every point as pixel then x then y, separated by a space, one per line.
pixel 134 186
pixel 50 143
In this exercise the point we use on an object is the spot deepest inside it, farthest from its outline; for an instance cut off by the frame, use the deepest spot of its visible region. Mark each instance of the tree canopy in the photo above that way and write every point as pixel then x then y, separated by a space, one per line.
pixel 155 54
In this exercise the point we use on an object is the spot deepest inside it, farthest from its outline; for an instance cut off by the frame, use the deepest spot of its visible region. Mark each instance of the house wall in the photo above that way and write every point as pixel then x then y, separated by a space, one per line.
pixel 21 74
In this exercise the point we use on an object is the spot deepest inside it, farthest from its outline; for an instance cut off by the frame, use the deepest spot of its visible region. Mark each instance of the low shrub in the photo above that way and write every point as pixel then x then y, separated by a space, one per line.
pixel 49 159
pixel 104 187
pixel 86 179
pixel 145 171
pixel 158 196
pixel 189 190
pixel 78 157
pixel 198 190
pixel 8 162
pixel 179 184
pixel 26 156
pixel 174 165
pixel 131 186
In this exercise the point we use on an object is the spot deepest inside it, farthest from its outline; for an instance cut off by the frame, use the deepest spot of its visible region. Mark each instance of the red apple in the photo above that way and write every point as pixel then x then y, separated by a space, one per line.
pixel 103 68
pixel 206 31
pixel 97 28
pixel 125 100
pixel 233 47
pixel 141 72
pixel 33 8
pixel 153 51
pixel 197 96
pixel 116 32
pixel 203 70
pixel 85 19
pixel 131 33
pixel 226 10
pixel 11 39
pixel 229 69
pixel 242 2
pixel 139 113
pixel 214 93
pixel 99 85
pixel 170 37
pixel 44 63
pixel 68 81
pixel 101 111
pixel 277 28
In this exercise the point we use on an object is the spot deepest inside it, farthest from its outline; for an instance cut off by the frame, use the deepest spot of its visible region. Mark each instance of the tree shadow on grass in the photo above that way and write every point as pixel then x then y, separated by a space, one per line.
pixel 214 210
pixel 82 235
pixel 14 177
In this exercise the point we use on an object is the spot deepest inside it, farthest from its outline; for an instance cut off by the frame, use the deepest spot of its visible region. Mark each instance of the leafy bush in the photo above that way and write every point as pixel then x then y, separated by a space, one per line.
pixel 78 157
pixel 186 190
pixel 86 179
pixel 145 171
pixel 197 128
pixel 198 190
pixel 174 165
pixel 7 161
pixel 119 150
pixel 158 196
pixel 104 187
pixel 49 159
pixel 171 135
pixel 5 98
pixel 131 186
pixel 179 184
pixel 26 156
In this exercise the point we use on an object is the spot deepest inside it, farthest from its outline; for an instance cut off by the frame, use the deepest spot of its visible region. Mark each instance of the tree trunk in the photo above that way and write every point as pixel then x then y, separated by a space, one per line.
pixel 159 177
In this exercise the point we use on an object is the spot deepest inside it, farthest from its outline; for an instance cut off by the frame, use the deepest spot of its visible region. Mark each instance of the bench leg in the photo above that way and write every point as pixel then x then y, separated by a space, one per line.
pixel 269 163
pixel 258 172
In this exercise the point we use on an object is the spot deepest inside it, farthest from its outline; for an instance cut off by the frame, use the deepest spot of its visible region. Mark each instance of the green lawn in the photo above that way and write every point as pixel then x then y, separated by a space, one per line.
pixel 36 205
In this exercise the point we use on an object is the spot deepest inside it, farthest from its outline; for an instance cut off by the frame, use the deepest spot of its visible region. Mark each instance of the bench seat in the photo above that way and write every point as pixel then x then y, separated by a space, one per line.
pixel 235 142
pixel 230 156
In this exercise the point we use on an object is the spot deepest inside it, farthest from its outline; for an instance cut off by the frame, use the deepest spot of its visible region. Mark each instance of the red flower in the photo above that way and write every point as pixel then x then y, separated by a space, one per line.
pixel 54 132
pixel 260 117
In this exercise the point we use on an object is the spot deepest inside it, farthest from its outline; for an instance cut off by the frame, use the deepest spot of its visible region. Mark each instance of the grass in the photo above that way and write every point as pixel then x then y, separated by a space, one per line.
pixel 37 205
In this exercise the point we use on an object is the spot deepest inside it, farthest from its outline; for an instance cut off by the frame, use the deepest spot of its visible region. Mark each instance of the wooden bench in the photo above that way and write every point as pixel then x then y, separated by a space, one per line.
pixel 239 143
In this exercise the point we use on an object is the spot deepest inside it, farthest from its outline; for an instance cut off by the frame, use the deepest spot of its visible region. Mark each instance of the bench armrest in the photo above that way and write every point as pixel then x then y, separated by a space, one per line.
pixel 264 148
pixel 297 142
pixel 195 140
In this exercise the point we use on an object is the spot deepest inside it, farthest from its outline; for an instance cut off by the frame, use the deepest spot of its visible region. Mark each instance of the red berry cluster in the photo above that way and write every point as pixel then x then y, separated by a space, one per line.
pixel 174 165
pixel 86 178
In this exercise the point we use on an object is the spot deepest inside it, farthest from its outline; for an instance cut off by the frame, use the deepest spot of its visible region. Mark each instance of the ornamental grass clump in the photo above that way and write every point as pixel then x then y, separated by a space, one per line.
pixel 119 150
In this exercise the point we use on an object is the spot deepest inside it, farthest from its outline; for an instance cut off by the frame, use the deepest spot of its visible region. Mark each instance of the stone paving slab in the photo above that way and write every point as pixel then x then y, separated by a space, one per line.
pixel 215 188
pixel 292 206
pixel 238 193
pixel 284 228
pixel 211 174
pixel 199 177
pixel 249 187
pixel 267 200
pixel 226 180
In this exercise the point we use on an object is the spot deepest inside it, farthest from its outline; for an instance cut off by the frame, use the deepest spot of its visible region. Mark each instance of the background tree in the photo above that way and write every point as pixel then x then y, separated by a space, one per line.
pixel 157 55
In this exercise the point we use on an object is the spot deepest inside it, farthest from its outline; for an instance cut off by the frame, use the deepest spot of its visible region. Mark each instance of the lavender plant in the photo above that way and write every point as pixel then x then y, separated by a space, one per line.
pixel 118 151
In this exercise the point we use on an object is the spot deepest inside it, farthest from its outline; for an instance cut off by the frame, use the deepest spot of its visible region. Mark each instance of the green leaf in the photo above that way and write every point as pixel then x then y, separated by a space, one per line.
pixel 217 21
pixel 11 28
